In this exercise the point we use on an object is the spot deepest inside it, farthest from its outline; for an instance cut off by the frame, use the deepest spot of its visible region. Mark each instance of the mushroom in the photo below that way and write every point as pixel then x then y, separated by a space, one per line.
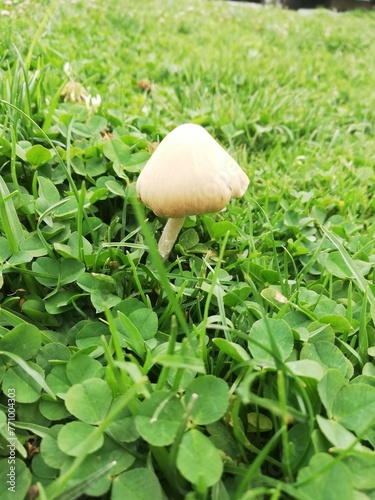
pixel 188 174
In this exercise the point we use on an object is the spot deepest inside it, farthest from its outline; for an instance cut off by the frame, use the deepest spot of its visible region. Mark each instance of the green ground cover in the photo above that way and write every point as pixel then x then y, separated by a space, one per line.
pixel 243 367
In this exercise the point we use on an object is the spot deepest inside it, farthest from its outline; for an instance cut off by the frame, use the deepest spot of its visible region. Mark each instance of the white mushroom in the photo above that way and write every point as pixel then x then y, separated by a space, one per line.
pixel 188 174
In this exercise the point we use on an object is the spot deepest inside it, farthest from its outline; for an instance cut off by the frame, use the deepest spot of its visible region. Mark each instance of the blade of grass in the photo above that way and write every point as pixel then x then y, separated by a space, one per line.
pixel 252 471
pixel 30 371
pixel 201 330
pixel 9 218
pixel 79 220
pixel 159 265
pixel 363 340
pixel 358 277
pixel 162 379
pixel 145 299
pixel 285 418
pixel 38 33
pixel 77 490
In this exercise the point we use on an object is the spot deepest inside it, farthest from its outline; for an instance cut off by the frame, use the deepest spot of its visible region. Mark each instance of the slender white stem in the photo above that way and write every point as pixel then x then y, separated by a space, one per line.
pixel 169 236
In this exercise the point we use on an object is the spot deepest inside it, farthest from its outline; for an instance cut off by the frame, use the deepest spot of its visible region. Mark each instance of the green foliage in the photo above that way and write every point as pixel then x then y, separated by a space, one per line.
pixel 199 461
pixel 244 366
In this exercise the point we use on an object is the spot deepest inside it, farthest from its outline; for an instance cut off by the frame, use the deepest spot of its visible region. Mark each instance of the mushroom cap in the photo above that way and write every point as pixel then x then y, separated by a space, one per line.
pixel 190 174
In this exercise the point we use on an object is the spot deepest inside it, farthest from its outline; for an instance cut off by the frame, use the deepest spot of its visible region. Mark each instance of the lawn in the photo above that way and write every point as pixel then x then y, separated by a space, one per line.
pixel 243 366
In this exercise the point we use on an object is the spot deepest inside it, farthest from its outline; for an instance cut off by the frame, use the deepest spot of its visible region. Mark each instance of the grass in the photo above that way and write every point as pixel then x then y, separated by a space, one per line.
pixel 244 366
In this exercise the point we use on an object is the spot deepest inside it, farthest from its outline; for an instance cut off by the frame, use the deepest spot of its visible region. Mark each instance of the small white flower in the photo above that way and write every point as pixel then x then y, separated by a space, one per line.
pixel 93 103
pixel 68 69
pixel 74 92
pixel 87 99
pixel 96 102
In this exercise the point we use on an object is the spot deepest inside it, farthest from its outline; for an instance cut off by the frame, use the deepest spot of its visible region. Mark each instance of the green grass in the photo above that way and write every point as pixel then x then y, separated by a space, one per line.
pixel 243 367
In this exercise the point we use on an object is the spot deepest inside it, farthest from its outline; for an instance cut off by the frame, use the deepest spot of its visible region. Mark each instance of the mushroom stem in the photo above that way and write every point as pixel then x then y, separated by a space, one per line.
pixel 169 236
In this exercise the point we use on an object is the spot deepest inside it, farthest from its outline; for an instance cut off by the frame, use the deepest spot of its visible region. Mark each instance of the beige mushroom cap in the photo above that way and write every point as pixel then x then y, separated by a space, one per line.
pixel 190 174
